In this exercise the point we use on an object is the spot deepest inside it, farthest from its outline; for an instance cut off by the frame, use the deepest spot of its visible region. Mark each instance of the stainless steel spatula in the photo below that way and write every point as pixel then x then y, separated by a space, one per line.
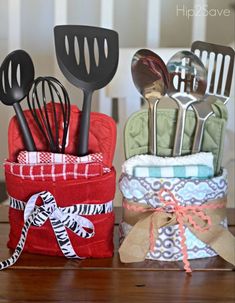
pixel 219 62
pixel 88 58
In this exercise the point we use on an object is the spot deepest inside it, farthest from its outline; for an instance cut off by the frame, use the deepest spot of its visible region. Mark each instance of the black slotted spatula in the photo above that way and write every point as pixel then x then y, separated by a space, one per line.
pixel 88 58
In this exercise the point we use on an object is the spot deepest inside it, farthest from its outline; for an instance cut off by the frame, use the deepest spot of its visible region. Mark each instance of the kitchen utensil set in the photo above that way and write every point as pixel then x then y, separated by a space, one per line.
pixel 196 79
pixel 88 58
pixel 150 77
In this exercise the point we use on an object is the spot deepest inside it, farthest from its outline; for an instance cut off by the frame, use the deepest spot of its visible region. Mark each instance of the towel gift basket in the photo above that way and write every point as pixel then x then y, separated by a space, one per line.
pixel 60 204
pixel 174 208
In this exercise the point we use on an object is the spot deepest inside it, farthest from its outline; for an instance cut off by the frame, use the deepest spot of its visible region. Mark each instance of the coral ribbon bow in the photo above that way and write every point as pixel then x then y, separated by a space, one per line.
pixel 203 221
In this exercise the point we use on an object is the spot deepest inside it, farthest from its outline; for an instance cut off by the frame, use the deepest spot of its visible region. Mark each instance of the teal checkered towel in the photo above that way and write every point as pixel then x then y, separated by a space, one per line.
pixel 177 171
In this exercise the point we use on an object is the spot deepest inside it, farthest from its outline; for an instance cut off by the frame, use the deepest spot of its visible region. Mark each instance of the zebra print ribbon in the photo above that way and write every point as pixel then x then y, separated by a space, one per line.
pixel 60 218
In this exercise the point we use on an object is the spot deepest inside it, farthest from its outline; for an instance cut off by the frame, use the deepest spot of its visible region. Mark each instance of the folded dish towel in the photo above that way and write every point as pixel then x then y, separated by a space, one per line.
pixel 40 157
pixel 178 171
pixel 205 159
pixel 55 171
pixel 46 166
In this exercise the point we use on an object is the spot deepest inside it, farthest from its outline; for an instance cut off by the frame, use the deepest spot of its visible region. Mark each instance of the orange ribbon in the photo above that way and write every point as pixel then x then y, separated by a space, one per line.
pixel 196 217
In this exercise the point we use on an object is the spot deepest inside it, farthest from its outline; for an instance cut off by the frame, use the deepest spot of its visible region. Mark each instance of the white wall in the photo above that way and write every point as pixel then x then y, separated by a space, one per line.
pixel 5 112
pixel 130 21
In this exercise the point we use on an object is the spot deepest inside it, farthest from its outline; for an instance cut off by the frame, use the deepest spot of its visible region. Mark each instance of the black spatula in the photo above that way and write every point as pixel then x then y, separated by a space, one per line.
pixel 88 58
pixel 16 78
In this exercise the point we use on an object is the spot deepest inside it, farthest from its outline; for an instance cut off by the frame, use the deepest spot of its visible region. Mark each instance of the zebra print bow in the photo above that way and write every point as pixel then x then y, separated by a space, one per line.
pixel 60 218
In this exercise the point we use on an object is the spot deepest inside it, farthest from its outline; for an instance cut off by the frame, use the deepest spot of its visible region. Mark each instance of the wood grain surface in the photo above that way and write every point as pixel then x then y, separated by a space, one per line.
pixel 36 278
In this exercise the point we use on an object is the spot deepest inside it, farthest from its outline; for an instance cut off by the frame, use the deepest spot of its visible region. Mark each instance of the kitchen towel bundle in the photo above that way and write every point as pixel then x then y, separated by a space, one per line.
pixel 59 173
pixel 174 208
pixel 62 200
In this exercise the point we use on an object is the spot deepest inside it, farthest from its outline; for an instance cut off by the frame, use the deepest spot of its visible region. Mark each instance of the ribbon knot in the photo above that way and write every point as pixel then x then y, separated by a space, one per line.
pixel 172 205
pixel 181 214
pixel 48 210
pixel 60 220
pixel 147 220
pixel 38 215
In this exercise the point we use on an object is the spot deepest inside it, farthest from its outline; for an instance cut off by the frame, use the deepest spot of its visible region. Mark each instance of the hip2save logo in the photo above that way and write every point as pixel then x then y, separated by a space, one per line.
pixel 202 11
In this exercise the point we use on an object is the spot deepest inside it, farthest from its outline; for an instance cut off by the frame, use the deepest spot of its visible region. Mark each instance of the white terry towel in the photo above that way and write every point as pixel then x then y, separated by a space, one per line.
pixel 150 160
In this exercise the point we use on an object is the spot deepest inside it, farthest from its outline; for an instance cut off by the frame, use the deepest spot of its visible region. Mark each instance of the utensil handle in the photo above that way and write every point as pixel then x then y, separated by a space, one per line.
pixel 197 141
pixel 153 127
pixel 179 132
pixel 27 136
pixel 83 137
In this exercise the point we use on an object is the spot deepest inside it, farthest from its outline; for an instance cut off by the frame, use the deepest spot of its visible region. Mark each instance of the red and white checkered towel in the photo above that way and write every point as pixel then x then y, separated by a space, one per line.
pixel 45 166
pixel 26 157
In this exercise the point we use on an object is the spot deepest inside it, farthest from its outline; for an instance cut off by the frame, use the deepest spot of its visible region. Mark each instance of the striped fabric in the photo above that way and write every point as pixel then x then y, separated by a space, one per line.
pixel 40 157
pixel 201 158
pixel 61 220
pixel 46 166
pixel 88 209
pixel 178 171
pixel 54 172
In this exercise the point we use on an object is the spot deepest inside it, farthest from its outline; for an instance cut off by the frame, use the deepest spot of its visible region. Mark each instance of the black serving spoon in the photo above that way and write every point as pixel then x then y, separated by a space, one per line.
pixel 88 58
pixel 16 78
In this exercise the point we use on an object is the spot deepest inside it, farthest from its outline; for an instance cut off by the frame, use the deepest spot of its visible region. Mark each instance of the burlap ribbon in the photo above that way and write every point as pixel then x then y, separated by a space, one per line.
pixel 203 221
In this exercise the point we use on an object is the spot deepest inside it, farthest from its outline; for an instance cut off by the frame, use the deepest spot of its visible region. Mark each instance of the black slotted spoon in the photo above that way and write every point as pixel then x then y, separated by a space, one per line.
pixel 90 72
pixel 16 78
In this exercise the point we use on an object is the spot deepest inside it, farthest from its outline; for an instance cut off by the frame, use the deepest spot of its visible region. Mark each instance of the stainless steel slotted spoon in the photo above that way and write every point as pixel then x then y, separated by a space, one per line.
pixel 187 85
pixel 219 62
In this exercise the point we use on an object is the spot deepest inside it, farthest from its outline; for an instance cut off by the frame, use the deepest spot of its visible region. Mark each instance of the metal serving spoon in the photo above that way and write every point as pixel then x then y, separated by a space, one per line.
pixel 187 86
pixel 150 77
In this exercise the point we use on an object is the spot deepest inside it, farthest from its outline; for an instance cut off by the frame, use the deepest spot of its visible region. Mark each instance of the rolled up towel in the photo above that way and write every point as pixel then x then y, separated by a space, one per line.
pixel 204 159
pixel 177 171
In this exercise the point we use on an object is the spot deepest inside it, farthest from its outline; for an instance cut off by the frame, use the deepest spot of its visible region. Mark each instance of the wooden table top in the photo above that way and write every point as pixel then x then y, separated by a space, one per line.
pixel 36 278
